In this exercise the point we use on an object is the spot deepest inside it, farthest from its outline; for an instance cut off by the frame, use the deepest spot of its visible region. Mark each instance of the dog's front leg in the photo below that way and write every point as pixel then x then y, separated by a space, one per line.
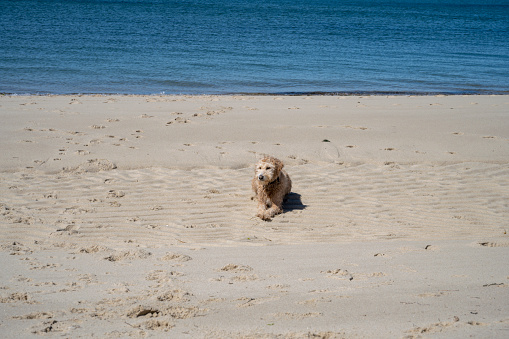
pixel 263 210
pixel 275 209
pixel 268 210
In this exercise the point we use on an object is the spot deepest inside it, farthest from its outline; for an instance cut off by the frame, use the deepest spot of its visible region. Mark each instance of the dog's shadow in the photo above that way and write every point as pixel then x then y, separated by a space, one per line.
pixel 293 202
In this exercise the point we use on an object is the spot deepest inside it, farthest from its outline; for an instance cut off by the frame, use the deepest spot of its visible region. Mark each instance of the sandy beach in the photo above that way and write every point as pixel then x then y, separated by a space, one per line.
pixel 131 216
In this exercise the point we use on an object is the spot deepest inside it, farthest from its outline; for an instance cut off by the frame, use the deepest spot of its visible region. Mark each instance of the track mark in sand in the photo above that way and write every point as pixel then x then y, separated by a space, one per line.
pixel 82 152
pixel 170 256
pixel 248 302
pixel 298 316
pixel 176 295
pixel 328 151
pixel 53 326
pixel 339 274
pixel 493 244
pixel 178 120
pixel 77 133
pixel 17 297
pixel 346 275
pixel 34 315
pixel 244 278
pixel 356 127
pixel 442 327
pixel 250 108
pixel 495 284
pixel 91 166
pixel 162 276
pixel 93 249
pixel 432 294
pixel 137 134
pixel 110 100
pixel 115 194
pixel 93 142
pixel 210 111
pixel 128 255
pixel 236 268
pixel 155 325
pixel 278 287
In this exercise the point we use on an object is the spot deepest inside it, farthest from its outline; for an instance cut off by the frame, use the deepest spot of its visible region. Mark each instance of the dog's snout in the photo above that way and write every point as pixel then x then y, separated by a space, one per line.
pixel 260 177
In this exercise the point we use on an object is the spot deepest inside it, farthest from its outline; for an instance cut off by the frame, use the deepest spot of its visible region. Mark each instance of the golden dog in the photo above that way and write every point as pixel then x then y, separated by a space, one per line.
pixel 270 185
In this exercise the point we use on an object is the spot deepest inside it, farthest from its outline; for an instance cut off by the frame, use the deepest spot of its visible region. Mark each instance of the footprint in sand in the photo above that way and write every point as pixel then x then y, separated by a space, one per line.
pixel 328 151
pixel 236 268
pixel 178 120
pixel 115 194
pixel 171 256
pixel 110 101
pixel 356 127
pixel 137 134
pixel 339 274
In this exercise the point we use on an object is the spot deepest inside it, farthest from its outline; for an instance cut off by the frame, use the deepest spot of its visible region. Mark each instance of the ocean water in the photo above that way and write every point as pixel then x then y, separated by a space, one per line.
pixel 254 46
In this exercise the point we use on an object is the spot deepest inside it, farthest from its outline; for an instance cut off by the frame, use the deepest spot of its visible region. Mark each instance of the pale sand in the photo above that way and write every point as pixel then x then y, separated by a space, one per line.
pixel 131 216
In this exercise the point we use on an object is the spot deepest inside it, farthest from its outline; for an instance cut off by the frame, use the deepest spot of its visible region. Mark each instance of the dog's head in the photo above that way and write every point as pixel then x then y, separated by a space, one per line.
pixel 267 169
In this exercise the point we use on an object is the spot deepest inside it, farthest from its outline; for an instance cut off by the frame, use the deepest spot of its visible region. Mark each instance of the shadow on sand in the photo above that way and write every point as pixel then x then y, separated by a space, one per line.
pixel 293 202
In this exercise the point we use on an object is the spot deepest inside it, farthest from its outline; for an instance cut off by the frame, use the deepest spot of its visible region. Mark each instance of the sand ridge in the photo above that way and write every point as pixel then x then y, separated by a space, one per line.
pixel 162 207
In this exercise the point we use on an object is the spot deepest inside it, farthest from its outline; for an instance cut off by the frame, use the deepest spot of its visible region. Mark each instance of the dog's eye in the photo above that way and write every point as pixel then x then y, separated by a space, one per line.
pixel 268 167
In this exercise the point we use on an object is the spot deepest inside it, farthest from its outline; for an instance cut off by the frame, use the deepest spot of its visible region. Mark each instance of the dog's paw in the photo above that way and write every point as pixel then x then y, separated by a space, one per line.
pixel 265 216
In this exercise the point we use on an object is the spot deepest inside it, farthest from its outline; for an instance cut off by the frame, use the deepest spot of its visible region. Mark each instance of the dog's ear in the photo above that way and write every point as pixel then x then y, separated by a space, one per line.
pixel 279 165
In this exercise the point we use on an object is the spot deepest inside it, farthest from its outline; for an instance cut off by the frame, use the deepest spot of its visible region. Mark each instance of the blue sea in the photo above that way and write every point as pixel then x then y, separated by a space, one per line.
pixel 254 46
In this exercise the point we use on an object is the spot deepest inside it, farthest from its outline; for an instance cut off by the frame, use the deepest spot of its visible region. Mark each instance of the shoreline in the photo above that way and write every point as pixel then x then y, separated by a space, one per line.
pixel 288 94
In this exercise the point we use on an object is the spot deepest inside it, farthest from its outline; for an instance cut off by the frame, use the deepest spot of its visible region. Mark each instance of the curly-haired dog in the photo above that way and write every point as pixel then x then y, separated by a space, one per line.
pixel 270 184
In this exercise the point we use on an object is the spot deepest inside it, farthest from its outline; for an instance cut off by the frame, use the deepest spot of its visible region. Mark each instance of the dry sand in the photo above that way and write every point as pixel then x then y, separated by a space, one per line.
pixel 130 216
